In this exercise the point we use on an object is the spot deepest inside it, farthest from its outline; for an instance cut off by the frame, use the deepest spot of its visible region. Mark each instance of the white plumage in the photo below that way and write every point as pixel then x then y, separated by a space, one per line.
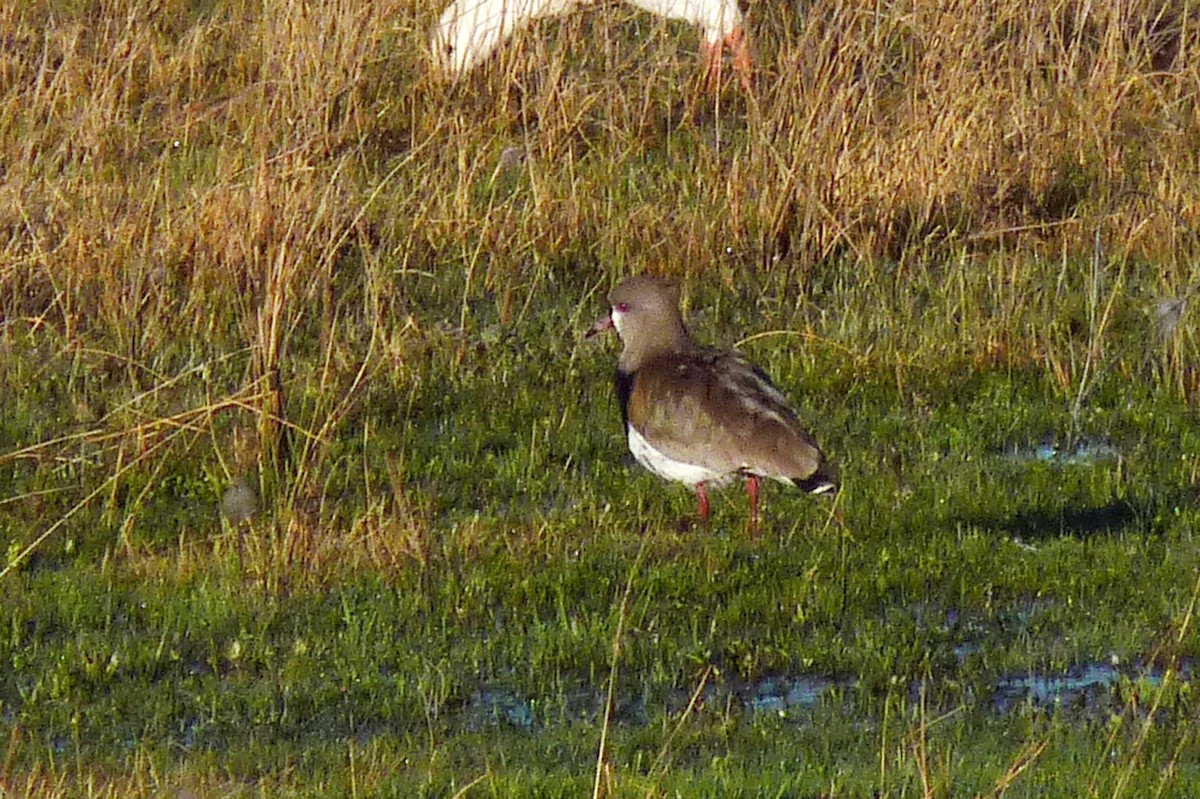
pixel 470 30
pixel 667 467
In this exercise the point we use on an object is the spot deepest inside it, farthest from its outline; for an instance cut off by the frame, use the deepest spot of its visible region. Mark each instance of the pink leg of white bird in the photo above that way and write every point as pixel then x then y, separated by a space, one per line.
pixel 743 60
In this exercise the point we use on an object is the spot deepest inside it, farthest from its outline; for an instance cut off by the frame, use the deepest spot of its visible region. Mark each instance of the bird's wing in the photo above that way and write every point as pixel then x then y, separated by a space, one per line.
pixel 717 410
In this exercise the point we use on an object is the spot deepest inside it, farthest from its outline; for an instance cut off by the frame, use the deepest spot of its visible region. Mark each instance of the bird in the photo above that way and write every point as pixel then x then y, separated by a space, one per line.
pixel 469 30
pixel 699 415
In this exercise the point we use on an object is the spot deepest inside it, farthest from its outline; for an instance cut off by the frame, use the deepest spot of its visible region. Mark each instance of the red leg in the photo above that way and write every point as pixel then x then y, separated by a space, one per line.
pixel 752 492
pixel 743 59
pixel 702 500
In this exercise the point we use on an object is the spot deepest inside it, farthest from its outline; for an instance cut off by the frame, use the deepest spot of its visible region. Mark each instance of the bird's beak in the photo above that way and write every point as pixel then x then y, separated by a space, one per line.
pixel 602 324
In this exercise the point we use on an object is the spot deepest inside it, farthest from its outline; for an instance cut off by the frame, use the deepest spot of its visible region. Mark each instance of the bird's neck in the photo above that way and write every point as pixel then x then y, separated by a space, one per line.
pixel 639 350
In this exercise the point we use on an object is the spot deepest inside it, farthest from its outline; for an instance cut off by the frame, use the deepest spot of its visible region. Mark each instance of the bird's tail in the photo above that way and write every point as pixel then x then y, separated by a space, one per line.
pixel 823 481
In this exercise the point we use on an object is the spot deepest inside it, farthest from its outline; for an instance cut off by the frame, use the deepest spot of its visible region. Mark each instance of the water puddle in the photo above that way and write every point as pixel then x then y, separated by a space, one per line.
pixel 492 707
pixel 1089 689
pixel 1083 685
pixel 1083 451
pixel 497 707
pixel 785 695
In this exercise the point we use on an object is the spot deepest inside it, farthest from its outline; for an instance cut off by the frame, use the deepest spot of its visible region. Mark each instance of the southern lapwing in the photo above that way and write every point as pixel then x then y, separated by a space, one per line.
pixel 699 415
pixel 469 30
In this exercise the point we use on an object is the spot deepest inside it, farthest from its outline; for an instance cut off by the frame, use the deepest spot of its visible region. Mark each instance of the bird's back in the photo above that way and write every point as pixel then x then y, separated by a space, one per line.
pixel 716 409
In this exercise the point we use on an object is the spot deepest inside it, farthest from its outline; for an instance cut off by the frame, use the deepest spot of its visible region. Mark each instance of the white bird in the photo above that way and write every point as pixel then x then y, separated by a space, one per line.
pixel 469 30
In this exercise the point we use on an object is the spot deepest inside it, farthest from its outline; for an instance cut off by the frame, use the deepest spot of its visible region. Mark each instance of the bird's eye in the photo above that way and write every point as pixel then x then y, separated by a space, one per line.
pixel 621 307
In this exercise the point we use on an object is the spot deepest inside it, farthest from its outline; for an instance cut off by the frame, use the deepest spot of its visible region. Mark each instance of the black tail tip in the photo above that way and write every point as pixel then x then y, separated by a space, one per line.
pixel 818 484
pixel 823 481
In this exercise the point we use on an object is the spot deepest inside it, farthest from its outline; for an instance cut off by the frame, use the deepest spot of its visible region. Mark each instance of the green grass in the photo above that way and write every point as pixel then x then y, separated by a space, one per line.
pixel 267 250
pixel 474 528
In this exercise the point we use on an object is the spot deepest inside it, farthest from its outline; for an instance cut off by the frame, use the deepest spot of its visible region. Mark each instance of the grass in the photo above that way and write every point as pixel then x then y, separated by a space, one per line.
pixel 265 249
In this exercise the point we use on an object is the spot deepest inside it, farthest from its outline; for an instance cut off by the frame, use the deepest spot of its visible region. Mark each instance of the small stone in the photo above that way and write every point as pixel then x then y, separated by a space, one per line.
pixel 1167 313
pixel 240 502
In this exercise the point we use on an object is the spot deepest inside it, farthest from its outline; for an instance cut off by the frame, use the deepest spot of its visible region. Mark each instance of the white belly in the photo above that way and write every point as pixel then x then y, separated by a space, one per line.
pixel 668 468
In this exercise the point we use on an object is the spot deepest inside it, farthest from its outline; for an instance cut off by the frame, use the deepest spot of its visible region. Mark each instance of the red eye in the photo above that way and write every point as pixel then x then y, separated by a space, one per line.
pixel 621 307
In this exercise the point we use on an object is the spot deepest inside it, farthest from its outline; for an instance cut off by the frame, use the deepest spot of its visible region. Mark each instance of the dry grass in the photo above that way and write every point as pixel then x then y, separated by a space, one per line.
pixel 161 160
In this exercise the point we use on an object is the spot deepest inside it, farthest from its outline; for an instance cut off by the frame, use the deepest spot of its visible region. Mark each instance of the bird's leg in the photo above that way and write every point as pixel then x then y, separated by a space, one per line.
pixel 712 52
pixel 702 501
pixel 743 59
pixel 752 492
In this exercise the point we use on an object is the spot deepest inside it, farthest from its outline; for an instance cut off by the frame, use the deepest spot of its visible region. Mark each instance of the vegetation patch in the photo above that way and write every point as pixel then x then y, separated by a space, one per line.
pixel 310 484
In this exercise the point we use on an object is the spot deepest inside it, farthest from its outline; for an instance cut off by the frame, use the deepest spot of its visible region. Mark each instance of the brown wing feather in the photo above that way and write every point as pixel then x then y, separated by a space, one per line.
pixel 717 410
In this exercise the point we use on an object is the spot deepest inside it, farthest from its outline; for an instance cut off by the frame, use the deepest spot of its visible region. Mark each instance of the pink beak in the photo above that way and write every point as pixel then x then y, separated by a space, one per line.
pixel 602 324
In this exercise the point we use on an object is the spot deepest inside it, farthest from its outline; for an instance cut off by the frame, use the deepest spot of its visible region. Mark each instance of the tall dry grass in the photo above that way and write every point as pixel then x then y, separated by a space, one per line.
pixel 174 151
pixel 164 160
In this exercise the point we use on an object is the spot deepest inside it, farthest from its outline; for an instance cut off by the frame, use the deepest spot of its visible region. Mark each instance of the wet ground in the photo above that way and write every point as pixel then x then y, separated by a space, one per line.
pixel 1087 689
